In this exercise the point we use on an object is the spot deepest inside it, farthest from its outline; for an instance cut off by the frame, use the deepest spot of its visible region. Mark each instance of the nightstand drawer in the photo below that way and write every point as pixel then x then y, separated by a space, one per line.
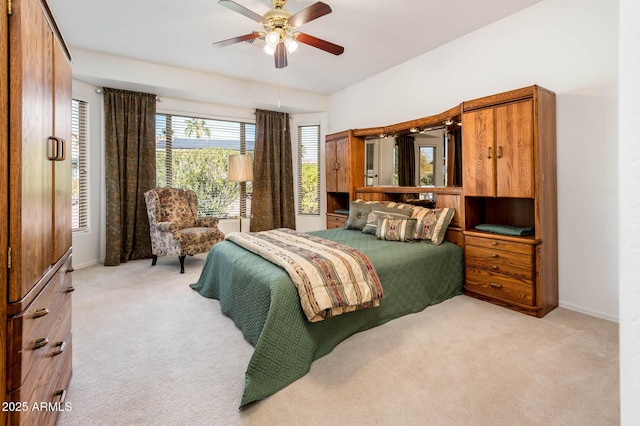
pixel 496 285
pixel 335 221
pixel 500 244
pixel 501 262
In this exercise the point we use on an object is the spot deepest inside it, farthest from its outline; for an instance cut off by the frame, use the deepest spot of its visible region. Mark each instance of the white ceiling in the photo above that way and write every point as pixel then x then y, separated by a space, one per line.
pixel 376 35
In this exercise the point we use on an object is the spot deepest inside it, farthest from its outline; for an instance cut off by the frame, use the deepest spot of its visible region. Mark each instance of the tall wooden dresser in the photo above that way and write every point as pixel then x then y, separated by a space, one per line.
pixel 35 213
pixel 509 178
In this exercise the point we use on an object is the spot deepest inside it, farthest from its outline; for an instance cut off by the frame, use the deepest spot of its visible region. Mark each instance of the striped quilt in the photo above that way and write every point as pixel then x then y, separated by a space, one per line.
pixel 331 278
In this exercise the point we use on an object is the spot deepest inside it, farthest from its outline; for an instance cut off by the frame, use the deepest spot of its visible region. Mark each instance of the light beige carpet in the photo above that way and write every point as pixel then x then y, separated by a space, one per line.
pixel 148 350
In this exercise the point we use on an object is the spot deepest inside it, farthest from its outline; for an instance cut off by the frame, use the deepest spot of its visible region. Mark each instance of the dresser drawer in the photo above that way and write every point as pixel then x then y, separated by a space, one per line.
pixel 335 221
pixel 497 244
pixel 497 285
pixel 30 334
pixel 499 261
pixel 45 386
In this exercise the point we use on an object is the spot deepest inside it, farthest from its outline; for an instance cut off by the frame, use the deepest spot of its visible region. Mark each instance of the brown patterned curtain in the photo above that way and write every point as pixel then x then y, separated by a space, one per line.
pixel 406 160
pixel 272 204
pixel 130 169
pixel 456 179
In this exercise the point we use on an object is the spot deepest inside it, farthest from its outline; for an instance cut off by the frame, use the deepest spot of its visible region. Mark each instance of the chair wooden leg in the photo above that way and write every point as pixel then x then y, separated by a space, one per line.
pixel 154 260
pixel 181 263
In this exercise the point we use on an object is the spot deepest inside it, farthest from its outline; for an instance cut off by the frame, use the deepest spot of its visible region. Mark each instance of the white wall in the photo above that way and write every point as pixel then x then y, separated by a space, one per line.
pixel 568 46
pixel 629 180
pixel 179 83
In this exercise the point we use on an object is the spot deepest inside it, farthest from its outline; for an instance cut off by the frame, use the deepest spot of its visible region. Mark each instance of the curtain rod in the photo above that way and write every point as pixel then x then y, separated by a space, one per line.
pixel 99 92
pixel 253 111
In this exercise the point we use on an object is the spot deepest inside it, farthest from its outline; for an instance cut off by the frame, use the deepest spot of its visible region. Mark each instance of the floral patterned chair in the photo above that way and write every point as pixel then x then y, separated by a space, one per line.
pixel 176 229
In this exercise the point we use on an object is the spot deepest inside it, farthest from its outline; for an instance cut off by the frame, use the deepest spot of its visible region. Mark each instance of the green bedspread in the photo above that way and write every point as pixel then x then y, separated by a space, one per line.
pixel 263 302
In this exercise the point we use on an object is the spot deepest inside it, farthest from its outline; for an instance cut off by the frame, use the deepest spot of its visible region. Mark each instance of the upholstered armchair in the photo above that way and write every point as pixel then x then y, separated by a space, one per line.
pixel 176 229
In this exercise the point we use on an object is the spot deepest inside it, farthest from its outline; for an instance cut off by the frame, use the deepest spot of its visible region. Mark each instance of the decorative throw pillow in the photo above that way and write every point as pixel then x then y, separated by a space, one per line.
pixel 394 229
pixel 379 210
pixel 358 213
pixel 394 205
pixel 432 224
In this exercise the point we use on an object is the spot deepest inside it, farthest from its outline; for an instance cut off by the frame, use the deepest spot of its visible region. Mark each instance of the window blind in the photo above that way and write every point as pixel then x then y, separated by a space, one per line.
pixel 79 194
pixel 192 153
pixel 309 170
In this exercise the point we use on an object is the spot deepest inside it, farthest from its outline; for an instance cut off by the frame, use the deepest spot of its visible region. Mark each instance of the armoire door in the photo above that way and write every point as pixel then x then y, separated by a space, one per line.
pixel 61 166
pixel 479 154
pixel 514 150
pixel 40 173
pixel 343 170
pixel 330 165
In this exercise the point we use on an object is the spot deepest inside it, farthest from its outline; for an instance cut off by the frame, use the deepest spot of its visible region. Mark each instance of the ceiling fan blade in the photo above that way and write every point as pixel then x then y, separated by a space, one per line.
pixel 320 44
pixel 229 4
pixel 238 39
pixel 280 55
pixel 315 11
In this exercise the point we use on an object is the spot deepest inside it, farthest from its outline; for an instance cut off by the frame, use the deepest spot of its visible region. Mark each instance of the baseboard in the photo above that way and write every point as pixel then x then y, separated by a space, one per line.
pixel 86 264
pixel 589 312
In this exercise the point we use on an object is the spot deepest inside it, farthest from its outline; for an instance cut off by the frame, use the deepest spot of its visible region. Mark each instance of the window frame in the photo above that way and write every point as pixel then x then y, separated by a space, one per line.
pixel 316 211
pixel 173 128
pixel 79 124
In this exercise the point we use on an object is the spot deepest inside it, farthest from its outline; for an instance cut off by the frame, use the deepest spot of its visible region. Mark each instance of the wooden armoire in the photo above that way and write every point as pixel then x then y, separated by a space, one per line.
pixel 35 212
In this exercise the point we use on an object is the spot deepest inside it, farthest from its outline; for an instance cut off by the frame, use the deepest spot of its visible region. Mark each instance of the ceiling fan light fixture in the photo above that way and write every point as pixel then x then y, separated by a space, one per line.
pixel 272 38
pixel 291 44
pixel 279 37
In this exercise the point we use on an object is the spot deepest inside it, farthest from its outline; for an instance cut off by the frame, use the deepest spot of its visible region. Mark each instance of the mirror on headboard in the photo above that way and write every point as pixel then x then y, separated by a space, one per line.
pixel 428 156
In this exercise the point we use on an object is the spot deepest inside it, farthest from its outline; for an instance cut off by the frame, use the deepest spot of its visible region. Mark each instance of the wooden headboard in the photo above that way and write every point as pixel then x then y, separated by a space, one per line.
pixel 444 196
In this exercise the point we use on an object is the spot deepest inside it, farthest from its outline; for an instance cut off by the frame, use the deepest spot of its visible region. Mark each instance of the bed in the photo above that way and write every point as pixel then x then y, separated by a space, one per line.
pixel 264 304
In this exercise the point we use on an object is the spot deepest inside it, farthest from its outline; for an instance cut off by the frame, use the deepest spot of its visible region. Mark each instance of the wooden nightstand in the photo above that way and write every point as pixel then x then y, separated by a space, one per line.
pixel 335 220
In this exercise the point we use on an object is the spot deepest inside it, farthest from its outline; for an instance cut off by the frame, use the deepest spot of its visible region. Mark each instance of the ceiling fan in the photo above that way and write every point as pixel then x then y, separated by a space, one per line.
pixel 280 35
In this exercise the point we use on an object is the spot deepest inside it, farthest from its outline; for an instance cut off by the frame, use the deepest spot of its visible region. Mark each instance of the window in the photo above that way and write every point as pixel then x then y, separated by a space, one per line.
pixel 78 165
pixel 192 153
pixel 309 170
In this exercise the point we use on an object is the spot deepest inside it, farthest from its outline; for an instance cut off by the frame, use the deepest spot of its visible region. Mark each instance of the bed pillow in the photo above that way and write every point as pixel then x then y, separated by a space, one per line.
pixel 394 205
pixel 379 210
pixel 358 213
pixel 395 229
pixel 432 224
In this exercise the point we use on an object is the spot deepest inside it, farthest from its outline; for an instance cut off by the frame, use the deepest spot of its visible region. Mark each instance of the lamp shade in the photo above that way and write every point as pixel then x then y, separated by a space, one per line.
pixel 240 168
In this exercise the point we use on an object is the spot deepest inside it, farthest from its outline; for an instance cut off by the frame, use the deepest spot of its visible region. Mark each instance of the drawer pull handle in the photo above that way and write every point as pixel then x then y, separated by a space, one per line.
pixel 494 243
pixel 70 289
pixel 62 394
pixel 59 348
pixel 494 267
pixel 71 269
pixel 40 312
pixel 495 255
pixel 495 286
pixel 40 343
